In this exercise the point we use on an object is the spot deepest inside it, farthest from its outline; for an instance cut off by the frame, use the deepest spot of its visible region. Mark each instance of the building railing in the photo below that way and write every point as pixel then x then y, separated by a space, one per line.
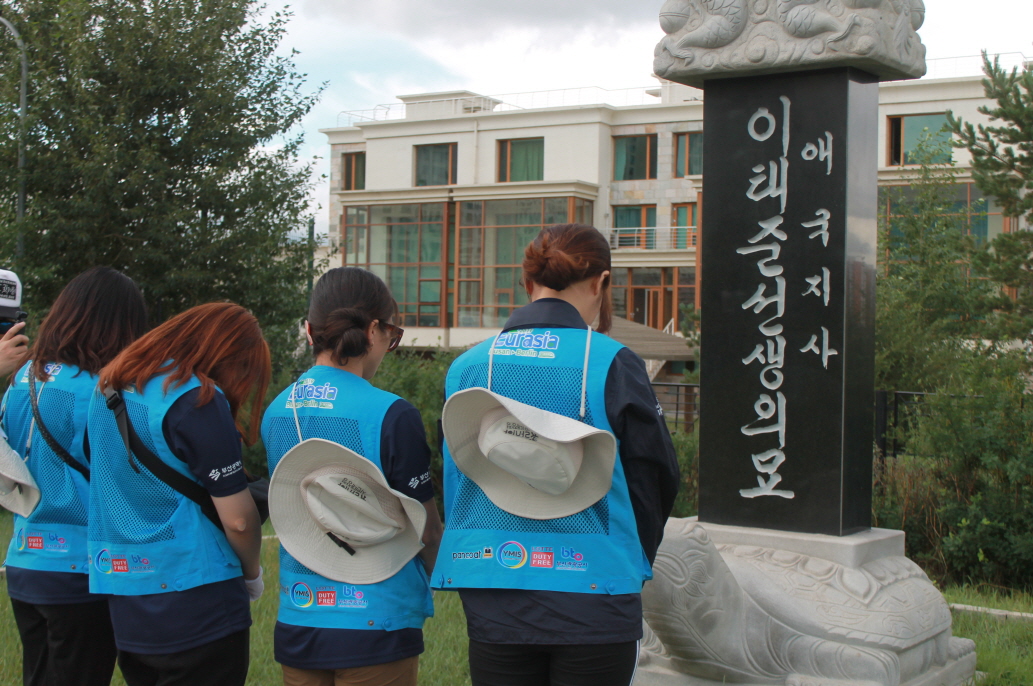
pixel 653 238
pixel 473 104
pixel 680 403
pixel 971 65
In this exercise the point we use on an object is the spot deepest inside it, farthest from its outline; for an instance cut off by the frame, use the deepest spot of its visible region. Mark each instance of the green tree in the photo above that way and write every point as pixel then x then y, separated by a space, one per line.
pixel 160 143
pixel 1002 151
pixel 929 307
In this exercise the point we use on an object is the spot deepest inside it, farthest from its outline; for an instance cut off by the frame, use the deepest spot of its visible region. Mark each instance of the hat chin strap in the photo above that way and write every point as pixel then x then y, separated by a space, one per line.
pixel 491 364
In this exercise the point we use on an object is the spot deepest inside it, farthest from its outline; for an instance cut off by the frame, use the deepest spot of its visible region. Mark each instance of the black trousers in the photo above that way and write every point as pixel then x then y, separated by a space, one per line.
pixel 496 664
pixel 223 662
pixel 65 645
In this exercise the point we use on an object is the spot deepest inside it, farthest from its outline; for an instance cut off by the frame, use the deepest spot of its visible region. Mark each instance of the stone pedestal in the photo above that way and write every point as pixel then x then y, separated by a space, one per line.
pixel 754 606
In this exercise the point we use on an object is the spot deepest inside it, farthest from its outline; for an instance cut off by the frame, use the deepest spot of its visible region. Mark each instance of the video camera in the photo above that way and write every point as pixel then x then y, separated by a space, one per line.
pixel 10 301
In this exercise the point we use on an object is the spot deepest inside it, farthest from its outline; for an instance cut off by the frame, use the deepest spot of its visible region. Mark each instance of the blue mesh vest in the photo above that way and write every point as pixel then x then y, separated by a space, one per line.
pixel 53 537
pixel 144 537
pixel 339 406
pixel 596 550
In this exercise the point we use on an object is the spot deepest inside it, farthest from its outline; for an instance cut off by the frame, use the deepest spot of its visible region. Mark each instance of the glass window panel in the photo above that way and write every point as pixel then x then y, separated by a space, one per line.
pixel 395 214
pixel 432 212
pixel 916 128
pixel 412 285
pixel 430 316
pixel 430 243
pixel 469 293
pixel 360 171
pixel 504 245
pixel 583 210
pixel 627 216
pixel 524 237
pixel 686 275
pixel 695 153
pixel 619 276
pixel 469 316
pixel 396 282
pixel 681 140
pixel 430 272
pixel 378 243
pixel 620 302
pixel 412 243
pixel 645 276
pixel 513 212
pixel 631 157
pixel 430 291
pixel 471 214
pixel 356 215
pixel 433 165
pixel 469 246
pixel 396 240
pixel 681 215
pixel 994 226
pixel 469 273
pixel 503 161
pixel 651 146
pixel 651 216
pixel 504 279
pixel 380 270
pixel 527 160
pixel 555 211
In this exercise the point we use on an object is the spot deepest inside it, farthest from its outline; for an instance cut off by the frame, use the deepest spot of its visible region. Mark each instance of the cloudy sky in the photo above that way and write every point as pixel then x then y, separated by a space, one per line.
pixel 369 51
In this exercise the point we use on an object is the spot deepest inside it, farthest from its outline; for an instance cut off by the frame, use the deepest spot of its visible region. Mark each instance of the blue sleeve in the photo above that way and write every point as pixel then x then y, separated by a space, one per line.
pixel 404 454
pixel 646 451
pixel 207 440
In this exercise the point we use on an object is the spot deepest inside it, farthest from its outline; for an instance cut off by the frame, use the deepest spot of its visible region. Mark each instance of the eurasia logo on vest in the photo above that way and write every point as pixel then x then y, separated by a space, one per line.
pixel 307 394
pixel 525 343
pixel 512 555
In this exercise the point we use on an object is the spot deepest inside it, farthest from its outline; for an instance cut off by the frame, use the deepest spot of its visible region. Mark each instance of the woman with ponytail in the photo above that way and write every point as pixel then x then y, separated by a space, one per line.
pixel 563 468
pixel 357 633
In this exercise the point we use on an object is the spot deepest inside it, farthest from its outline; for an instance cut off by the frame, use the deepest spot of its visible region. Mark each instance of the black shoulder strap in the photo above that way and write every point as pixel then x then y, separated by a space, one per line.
pixel 154 464
pixel 47 436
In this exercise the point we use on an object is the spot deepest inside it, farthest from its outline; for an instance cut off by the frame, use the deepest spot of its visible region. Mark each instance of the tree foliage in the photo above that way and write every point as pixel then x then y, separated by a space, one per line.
pixel 1002 151
pixel 159 144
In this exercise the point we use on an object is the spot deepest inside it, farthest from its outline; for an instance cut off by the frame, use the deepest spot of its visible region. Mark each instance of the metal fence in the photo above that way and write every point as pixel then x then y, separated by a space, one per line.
pixel 680 403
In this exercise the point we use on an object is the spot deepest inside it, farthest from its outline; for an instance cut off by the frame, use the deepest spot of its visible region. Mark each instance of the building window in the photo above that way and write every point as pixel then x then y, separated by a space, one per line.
pixel 683 225
pixel 653 296
pixel 522 160
pixel 436 164
pixel 634 157
pixel 353 171
pixel 406 246
pixel 906 132
pixel 491 237
pixel 688 160
pixel 982 216
pixel 634 227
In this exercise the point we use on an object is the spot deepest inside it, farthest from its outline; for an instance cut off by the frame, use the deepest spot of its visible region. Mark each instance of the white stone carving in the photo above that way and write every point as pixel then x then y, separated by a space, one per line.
pixel 735 611
pixel 723 38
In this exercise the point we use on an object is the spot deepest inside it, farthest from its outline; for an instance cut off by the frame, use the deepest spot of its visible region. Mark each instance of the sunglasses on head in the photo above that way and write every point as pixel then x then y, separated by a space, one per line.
pixel 396 333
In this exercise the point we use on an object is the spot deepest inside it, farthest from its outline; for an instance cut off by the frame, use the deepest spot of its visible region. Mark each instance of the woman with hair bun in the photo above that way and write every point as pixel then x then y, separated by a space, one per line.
pixel 368 631
pixel 560 470
pixel 65 629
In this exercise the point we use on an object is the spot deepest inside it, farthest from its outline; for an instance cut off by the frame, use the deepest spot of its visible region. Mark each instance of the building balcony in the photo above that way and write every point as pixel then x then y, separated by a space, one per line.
pixel 653 238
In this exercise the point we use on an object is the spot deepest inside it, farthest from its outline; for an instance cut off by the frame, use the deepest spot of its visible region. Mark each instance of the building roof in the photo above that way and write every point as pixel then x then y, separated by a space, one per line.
pixel 651 344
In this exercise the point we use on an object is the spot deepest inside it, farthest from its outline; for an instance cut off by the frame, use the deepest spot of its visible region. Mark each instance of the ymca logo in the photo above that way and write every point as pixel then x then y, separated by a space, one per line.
pixel 512 555
pixel 301 594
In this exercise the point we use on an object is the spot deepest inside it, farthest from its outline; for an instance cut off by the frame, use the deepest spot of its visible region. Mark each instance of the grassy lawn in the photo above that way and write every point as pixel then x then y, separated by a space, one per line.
pixel 1005 649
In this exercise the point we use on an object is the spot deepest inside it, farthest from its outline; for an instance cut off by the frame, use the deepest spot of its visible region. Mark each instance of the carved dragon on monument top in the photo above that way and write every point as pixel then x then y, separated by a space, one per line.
pixel 715 38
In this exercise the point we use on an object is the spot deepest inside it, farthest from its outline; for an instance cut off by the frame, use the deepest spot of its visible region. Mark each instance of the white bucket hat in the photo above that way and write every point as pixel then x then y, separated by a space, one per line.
pixel 335 513
pixel 18 490
pixel 530 462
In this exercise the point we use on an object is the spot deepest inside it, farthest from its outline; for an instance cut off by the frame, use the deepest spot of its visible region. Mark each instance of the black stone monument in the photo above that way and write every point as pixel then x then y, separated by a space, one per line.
pixel 788 301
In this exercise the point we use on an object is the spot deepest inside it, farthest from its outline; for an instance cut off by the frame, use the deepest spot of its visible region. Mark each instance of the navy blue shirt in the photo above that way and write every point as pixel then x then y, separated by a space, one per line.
pixel 405 460
pixel 651 469
pixel 207 440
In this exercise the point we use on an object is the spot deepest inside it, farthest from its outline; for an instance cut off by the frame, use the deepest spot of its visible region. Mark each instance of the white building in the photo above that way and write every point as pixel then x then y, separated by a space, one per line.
pixel 440 193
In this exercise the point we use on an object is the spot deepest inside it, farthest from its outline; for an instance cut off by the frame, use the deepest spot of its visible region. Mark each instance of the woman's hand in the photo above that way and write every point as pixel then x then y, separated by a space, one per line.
pixel 14 349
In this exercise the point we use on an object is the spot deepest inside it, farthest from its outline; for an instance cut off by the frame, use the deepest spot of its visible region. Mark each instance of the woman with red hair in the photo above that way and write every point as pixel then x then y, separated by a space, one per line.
pixel 174 534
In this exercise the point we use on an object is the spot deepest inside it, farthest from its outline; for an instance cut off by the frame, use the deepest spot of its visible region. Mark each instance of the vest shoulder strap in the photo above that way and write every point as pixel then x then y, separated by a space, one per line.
pixel 154 464
pixel 58 449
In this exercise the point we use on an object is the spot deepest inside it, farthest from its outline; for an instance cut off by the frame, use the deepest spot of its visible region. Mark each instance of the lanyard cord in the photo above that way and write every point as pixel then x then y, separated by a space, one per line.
pixel 491 364
pixel 294 407
pixel 32 424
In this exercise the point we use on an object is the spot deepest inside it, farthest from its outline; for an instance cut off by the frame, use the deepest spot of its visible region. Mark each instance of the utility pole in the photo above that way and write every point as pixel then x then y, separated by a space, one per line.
pixel 20 246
